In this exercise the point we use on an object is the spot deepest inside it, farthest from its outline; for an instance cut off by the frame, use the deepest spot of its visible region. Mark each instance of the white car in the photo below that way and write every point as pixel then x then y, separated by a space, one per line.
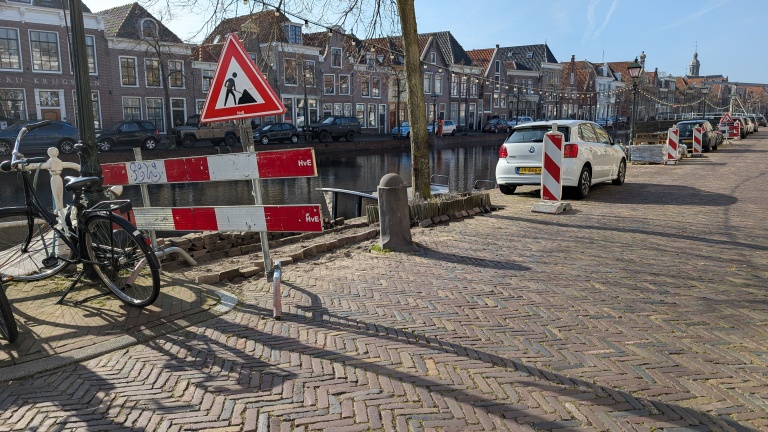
pixel 449 127
pixel 589 156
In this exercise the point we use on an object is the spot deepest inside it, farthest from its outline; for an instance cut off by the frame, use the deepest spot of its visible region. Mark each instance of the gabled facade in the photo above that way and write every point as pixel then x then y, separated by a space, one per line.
pixel 36 76
pixel 537 75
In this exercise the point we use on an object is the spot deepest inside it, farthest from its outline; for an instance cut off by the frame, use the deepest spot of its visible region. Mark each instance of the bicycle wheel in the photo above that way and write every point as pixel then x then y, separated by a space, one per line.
pixel 8 328
pixel 30 254
pixel 126 265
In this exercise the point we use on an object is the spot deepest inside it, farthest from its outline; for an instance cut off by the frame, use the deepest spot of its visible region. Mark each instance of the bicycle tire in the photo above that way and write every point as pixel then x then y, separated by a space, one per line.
pixel 8 328
pixel 28 258
pixel 125 263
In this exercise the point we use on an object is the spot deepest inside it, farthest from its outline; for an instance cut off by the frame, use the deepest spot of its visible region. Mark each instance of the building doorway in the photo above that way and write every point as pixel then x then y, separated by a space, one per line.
pixel 50 114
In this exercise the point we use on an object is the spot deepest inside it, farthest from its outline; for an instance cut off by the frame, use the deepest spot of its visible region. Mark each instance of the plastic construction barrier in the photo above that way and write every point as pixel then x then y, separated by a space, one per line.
pixel 673 144
pixel 697 131
pixel 552 167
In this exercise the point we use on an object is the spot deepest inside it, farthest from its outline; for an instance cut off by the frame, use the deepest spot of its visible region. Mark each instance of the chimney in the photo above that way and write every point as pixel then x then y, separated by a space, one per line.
pixel 497 46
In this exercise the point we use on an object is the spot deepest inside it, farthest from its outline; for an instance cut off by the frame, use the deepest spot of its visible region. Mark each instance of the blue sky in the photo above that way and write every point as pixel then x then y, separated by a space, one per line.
pixel 727 32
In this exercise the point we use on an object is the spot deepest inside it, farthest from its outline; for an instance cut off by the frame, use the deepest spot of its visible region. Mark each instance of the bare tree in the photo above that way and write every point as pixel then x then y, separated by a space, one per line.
pixel 367 19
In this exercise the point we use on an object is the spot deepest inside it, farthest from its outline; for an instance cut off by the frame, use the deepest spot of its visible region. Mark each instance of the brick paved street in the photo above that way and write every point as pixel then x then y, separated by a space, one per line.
pixel 645 308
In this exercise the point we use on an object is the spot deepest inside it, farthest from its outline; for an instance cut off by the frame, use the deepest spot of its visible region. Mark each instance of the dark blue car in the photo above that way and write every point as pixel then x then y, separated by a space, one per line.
pixel 57 134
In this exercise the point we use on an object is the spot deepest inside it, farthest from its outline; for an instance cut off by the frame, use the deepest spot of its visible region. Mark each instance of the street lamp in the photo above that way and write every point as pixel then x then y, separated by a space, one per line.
pixel 704 92
pixel 634 69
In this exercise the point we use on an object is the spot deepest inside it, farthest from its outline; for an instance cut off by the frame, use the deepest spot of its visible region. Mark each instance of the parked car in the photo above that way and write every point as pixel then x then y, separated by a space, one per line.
pixel 604 122
pixel 589 156
pixel 449 127
pixel 755 125
pixel 334 128
pixel 710 140
pixel 743 128
pixel 519 120
pixel 276 132
pixel 619 121
pixel 762 121
pixel 404 130
pixel 57 134
pixel 130 133
pixel 496 125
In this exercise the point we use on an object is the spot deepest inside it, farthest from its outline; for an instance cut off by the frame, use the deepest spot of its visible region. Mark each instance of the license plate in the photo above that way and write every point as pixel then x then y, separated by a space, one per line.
pixel 534 170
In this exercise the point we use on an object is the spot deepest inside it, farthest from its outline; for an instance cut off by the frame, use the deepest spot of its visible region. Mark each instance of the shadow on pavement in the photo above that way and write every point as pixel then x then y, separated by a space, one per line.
pixel 658 194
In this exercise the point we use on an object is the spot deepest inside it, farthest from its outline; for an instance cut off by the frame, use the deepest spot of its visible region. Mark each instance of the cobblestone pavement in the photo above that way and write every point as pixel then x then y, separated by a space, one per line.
pixel 645 308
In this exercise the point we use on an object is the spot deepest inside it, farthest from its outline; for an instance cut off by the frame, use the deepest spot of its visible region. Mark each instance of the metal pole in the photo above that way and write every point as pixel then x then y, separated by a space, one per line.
pixel 634 109
pixel 247 139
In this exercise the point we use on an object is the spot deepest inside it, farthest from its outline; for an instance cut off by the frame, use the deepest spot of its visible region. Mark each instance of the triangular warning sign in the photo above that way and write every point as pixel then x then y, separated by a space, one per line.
pixel 726 118
pixel 238 89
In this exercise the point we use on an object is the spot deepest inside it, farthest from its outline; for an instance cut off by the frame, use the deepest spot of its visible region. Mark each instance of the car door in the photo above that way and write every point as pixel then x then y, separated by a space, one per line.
pixel 128 135
pixel 610 154
pixel 592 150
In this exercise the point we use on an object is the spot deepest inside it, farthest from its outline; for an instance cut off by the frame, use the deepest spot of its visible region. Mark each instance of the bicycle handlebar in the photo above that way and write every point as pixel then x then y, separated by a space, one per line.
pixel 30 127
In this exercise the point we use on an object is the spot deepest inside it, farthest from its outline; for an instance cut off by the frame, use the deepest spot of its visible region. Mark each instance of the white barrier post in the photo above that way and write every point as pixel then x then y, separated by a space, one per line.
pixel 552 174
pixel 673 143
pixel 697 141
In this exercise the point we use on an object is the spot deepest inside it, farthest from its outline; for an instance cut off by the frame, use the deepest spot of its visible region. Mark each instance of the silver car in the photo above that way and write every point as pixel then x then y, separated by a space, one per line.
pixel 589 156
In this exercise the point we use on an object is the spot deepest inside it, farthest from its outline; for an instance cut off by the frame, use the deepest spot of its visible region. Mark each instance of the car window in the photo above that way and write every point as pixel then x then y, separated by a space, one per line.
pixel 602 135
pixel 526 135
pixel 130 127
pixel 587 133
pixel 266 127
pixel 148 125
pixel 327 120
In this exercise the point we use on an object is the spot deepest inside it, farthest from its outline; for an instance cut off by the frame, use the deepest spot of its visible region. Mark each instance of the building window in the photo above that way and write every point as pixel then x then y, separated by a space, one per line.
pixel 336 57
pixel 155 112
pixel 338 109
pixel 199 104
pixel 427 83
pixel 372 115
pixel 253 57
pixel 344 88
pixel 45 51
pixel 375 86
pixel 128 71
pixel 131 108
pixel 294 34
pixel 327 109
pixel 288 104
pixel 90 53
pixel 152 71
pixel 207 77
pixel 497 67
pixel 49 98
pixel 365 86
pixel 96 107
pixel 10 56
pixel 176 73
pixel 360 113
pixel 148 29
pixel 12 104
pixel 309 73
pixel 370 62
pixel 329 84
pixel 348 110
pixel 438 84
pixel 433 57
pixel 178 111
pixel 454 85
pixel 289 66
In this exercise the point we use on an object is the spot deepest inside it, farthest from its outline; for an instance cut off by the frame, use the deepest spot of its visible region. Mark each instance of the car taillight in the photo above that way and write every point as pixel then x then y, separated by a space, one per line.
pixel 503 152
pixel 571 150
pixel 157 132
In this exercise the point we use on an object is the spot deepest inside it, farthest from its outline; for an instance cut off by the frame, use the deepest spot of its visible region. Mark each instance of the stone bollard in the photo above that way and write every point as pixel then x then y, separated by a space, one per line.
pixel 394 216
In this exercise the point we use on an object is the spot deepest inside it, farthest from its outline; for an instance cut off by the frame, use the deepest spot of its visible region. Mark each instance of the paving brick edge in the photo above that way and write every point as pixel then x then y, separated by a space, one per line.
pixel 227 302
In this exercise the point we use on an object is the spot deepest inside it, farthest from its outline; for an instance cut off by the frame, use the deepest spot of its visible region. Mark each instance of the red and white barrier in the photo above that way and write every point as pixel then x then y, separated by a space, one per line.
pixel 284 218
pixel 673 144
pixel 552 167
pixel 697 131
pixel 237 166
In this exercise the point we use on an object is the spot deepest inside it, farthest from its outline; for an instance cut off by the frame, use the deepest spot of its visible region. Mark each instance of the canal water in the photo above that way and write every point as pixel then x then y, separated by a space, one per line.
pixel 458 167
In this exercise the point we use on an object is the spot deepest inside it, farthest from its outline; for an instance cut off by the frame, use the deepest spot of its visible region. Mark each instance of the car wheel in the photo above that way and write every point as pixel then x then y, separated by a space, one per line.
pixel 5 148
pixel 453 132
pixel 150 143
pixel 325 136
pixel 264 140
pixel 507 190
pixel 619 180
pixel 585 181
pixel 67 146
pixel 188 141
pixel 350 136
pixel 105 145
pixel 230 140
pixel 294 139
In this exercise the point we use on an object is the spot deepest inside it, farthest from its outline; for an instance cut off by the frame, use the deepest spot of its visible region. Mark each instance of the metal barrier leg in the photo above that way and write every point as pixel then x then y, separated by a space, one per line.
pixel 277 304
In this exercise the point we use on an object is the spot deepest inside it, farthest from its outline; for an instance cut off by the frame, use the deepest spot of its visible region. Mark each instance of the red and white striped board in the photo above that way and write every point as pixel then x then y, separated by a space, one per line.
pixel 283 218
pixel 735 131
pixel 236 166
pixel 697 141
pixel 552 167
pixel 673 143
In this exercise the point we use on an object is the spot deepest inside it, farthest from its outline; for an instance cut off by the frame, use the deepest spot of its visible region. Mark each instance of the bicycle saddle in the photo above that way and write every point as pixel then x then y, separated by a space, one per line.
pixel 80 183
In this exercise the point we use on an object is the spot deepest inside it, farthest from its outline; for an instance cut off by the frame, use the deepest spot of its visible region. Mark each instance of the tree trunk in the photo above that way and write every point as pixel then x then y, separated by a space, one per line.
pixel 415 86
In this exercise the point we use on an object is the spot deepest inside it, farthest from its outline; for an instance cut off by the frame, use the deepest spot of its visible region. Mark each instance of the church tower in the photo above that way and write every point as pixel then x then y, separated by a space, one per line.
pixel 693 69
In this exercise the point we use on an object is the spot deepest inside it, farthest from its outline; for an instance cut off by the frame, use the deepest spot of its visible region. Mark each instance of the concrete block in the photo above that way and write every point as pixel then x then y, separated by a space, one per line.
pixel 251 271
pixel 208 278
pixel 229 274
pixel 425 223
pixel 551 207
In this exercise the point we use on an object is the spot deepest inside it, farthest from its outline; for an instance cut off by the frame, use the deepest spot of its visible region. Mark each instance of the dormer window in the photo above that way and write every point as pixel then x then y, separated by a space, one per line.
pixel 433 57
pixel 293 33
pixel 148 28
pixel 529 55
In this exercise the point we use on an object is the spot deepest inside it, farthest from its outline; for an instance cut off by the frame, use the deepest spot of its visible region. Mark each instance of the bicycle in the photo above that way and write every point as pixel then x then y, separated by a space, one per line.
pixel 37 245
pixel 8 328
